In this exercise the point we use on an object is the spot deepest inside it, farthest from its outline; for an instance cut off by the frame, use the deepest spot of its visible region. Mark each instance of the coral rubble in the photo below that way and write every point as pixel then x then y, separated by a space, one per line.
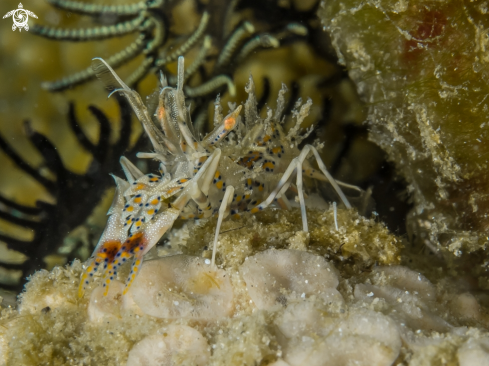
pixel 279 297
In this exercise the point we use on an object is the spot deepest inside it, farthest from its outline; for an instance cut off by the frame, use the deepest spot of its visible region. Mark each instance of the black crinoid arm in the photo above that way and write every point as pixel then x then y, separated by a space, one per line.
pixel 72 192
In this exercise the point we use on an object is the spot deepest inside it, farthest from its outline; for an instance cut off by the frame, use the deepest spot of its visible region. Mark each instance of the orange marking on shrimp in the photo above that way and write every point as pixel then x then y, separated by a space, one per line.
pixel 133 243
pixel 248 160
pixel 109 250
pixel 140 186
pixel 270 165
pixel 172 190
pixel 160 113
pixel 155 201
pixel 219 184
pixel 229 123
pixel 265 139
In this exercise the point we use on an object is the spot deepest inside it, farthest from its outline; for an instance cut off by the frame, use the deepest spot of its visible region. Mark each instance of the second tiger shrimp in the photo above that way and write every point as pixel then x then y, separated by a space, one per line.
pixel 199 178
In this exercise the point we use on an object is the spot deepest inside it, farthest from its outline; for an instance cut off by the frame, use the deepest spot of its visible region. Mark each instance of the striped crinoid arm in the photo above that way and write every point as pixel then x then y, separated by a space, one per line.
pixel 149 23
pixel 200 59
pixel 211 86
pixel 150 19
pixel 116 60
pixel 90 34
pixel 152 36
pixel 142 70
pixel 234 42
pixel 188 44
pixel 260 41
pixel 99 9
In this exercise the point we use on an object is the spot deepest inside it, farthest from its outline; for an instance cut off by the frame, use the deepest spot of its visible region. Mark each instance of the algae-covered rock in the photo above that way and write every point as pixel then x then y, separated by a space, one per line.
pixel 284 299
pixel 422 67
pixel 352 236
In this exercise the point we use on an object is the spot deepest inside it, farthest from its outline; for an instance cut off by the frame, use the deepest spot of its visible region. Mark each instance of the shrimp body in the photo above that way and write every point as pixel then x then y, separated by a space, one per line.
pixel 198 178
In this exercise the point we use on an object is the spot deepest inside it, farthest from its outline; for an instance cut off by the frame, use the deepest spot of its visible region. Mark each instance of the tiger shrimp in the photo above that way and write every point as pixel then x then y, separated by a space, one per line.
pixel 200 178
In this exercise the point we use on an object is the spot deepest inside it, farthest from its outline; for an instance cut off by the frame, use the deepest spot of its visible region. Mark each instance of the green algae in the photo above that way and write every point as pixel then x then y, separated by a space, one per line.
pixel 422 69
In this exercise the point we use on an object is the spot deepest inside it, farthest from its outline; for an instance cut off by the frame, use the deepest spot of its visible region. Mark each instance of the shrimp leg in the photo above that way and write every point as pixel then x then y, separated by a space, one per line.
pixel 296 166
pixel 223 213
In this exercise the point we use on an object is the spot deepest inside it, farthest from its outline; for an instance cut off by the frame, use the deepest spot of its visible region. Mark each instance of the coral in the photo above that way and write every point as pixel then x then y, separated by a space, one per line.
pixel 362 337
pixel 421 67
pixel 324 309
pixel 183 287
pixel 282 277
pixel 176 345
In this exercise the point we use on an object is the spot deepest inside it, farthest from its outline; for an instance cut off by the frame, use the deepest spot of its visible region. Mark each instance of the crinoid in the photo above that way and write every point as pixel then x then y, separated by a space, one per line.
pixel 50 222
pixel 160 47
pixel 217 174
pixel 149 20
pixel 143 18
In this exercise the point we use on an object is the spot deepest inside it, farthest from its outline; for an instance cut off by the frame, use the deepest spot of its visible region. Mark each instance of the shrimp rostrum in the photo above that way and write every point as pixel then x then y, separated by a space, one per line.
pixel 201 177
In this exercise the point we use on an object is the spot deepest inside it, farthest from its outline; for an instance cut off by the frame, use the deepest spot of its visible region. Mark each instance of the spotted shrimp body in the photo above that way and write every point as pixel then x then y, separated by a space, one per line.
pixel 199 178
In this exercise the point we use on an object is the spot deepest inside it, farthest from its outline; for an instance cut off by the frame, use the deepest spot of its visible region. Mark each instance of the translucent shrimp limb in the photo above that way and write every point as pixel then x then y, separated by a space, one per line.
pixel 111 240
pixel 144 235
pixel 223 213
pixel 296 166
pixel 115 84
pixel 140 242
